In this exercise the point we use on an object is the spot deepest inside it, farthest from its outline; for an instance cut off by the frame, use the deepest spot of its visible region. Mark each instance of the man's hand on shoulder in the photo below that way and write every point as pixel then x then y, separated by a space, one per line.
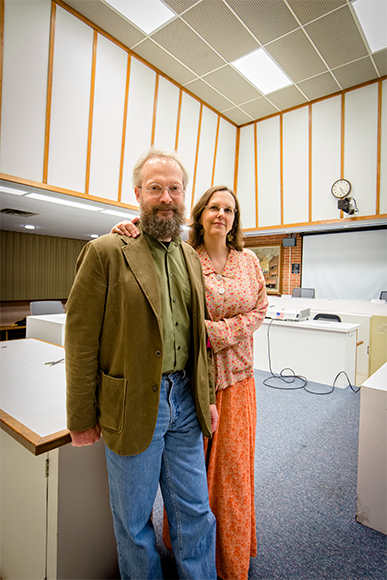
pixel 87 437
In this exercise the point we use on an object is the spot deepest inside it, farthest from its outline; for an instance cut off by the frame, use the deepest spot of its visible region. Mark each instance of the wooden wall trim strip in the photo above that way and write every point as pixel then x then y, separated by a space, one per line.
pixel 91 112
pixel 236 171
pixel 215 152
pixel 379 147
pixel 256 174
pixel 342 137
pixel 310 164
pixel 1 56
pixel 155 110
pixel 282 166
pixel 178 120
pixel 49 92
pixel 197 155
pixel 347 220
pixel 124 122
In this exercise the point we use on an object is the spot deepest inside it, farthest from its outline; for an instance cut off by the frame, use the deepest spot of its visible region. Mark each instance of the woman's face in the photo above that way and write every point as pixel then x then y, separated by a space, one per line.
pixel 218 216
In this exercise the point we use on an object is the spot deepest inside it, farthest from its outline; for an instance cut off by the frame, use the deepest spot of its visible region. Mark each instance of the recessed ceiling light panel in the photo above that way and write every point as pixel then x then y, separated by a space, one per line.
pixel 262 71
pixel 11 190
pixel 372 15
pixel 118 213
pixel 61 201
pixel 147 15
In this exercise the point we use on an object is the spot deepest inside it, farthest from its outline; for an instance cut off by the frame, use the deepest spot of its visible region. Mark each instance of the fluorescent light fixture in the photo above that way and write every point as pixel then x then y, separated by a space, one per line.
pixel 13 191
pixel 94 235
pixel 372 15
pixel 262 71
pixel 63 201
pixel 118 213
pixel 145 14
pixel 30 227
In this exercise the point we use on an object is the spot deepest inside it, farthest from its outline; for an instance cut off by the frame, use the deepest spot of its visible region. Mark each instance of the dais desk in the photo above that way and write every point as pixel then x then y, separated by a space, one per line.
pixel 48 327
pixel 54 497
pixel 315 349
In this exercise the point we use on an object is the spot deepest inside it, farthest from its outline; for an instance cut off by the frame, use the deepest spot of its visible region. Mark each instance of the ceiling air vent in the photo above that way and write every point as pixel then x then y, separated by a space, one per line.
pixel 17 212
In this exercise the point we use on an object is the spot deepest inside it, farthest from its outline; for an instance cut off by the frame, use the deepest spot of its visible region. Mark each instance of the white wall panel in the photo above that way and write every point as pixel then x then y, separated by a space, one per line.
pixel 269 183
pixel 206 152
pixel 246 177
pixel 296 166
pixel 188 136
pixel 326 147
pixel 70 102
pixel 166 115
pixel 225 157
pixel 383 163
pixel 139 122
pixel 109 100
pixel 25 62
pixel 360 146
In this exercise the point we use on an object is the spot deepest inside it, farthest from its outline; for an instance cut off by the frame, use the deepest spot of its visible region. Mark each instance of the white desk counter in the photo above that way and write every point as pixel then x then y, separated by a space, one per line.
pixel 372 459
pixel 48 327
pixel 370 316
pixel 54 497
pixel 315 349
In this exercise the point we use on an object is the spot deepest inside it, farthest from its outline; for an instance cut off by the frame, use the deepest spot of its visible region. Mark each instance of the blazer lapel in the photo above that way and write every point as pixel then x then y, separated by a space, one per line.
pixel 139 258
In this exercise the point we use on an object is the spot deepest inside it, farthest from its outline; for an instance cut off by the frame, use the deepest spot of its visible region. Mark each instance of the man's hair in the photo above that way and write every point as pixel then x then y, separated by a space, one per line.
pixel 235 236
pixel 153 153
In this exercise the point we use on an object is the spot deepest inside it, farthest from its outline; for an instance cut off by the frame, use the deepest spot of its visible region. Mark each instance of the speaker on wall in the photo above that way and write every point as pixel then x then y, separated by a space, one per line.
pixel 288 242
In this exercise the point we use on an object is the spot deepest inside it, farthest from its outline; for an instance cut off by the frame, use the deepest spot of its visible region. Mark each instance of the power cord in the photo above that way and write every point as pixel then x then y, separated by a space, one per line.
pixel 291 378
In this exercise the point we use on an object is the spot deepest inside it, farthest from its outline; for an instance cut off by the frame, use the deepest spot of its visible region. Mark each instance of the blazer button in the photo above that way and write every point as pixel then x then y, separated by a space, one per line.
pixel 158 352
pixel 154 388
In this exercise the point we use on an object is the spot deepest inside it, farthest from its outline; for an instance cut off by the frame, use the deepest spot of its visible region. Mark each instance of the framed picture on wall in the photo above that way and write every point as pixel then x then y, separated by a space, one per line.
pixel 270 258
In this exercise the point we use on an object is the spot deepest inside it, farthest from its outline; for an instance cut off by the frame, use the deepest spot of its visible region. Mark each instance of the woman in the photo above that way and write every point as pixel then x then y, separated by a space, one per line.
pixel 237 303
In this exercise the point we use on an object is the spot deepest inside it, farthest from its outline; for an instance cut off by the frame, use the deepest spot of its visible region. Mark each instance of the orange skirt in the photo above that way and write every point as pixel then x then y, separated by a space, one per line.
pixel 230 476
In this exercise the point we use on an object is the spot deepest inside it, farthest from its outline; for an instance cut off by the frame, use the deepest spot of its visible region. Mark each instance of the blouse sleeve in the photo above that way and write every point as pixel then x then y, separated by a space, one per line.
pixel 229 331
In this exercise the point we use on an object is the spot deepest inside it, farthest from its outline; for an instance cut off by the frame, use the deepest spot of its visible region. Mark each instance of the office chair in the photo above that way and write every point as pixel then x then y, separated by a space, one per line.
pixel 303 292
pixel 383 295
pixel 325 316
pixel 46 307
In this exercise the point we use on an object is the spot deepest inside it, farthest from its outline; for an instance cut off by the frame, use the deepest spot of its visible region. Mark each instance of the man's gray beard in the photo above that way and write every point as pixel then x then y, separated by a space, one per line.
pixel 159 227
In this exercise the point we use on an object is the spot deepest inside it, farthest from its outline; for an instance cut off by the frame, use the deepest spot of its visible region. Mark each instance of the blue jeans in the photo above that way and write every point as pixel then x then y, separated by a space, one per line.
pixel 175 458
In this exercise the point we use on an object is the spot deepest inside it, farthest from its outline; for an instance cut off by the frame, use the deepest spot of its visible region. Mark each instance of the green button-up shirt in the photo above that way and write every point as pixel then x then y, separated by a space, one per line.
pixel 175 290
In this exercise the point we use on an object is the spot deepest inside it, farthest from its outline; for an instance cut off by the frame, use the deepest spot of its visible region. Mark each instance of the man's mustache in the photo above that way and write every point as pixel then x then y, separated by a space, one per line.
pixel 165 207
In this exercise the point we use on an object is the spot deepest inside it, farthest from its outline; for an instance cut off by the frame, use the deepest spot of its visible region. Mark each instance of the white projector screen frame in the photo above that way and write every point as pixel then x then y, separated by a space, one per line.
pixel 346 265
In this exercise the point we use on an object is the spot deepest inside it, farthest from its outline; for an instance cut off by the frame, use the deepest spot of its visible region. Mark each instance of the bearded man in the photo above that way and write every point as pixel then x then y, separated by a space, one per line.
pixel 138 373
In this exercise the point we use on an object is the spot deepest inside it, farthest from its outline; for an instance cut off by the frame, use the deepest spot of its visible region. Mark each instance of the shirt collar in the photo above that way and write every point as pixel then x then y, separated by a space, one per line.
pixel 230 269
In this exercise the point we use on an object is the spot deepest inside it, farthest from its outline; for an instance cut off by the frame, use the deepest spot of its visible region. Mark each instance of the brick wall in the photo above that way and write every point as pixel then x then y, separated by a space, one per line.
pixel 289 256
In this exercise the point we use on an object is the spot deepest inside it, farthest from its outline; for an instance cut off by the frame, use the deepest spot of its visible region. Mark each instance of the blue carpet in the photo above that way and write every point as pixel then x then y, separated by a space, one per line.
pixel 306 472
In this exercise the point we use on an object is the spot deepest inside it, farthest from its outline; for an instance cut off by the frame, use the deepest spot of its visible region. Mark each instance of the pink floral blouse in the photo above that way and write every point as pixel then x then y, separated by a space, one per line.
pixel 237 303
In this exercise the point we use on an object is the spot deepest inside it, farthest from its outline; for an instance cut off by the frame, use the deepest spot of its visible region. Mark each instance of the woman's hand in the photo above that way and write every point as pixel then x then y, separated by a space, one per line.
pixel 126 228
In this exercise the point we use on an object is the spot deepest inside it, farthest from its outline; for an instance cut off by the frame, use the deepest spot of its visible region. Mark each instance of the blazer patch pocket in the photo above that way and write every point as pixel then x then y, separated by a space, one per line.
pixel 111 402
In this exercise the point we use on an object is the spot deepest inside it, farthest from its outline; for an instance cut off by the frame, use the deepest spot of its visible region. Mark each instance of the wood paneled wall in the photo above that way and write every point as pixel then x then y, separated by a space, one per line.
pixel 34 267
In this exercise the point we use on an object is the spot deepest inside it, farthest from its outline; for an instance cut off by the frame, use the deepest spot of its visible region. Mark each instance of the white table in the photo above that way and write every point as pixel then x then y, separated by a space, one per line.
pixel 315 349
pixel 368 315
pixel 48 327
pixel 372 459
pixel 56 521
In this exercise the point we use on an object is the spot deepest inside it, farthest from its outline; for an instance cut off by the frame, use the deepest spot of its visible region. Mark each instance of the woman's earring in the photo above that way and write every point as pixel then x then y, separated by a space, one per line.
pixel 230 237
pixel 201 231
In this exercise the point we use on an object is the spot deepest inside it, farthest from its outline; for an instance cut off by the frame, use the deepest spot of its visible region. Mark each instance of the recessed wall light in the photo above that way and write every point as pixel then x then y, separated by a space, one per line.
pixel 147 15
pixel 118 213
pixel 61 201
pixel 13 191
pixel 262 71
pixel 372 16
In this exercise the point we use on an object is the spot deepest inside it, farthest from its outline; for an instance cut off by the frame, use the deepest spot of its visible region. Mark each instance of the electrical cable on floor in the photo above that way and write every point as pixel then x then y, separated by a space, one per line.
pixel 291 378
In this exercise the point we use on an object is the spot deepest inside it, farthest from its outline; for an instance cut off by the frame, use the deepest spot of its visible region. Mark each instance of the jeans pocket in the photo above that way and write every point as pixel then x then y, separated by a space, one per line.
pixel 111 399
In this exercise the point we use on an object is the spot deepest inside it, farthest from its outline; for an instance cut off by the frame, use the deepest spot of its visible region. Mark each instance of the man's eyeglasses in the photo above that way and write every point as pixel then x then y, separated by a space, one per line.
pixel 156 190
pixel 214 208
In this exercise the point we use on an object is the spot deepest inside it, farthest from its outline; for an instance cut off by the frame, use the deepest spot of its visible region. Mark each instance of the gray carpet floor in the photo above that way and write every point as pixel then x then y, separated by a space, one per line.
pixel 305 491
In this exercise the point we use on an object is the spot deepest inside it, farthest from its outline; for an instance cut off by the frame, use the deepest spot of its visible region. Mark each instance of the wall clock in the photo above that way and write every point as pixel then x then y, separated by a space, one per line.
pixel 341 188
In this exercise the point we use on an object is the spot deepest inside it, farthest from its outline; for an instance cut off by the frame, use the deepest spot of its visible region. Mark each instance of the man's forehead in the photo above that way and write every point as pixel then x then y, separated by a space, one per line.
pixel 161 163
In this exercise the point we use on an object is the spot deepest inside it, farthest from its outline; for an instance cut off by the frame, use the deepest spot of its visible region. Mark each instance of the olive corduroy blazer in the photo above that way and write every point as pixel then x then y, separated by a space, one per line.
pixel 114 344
